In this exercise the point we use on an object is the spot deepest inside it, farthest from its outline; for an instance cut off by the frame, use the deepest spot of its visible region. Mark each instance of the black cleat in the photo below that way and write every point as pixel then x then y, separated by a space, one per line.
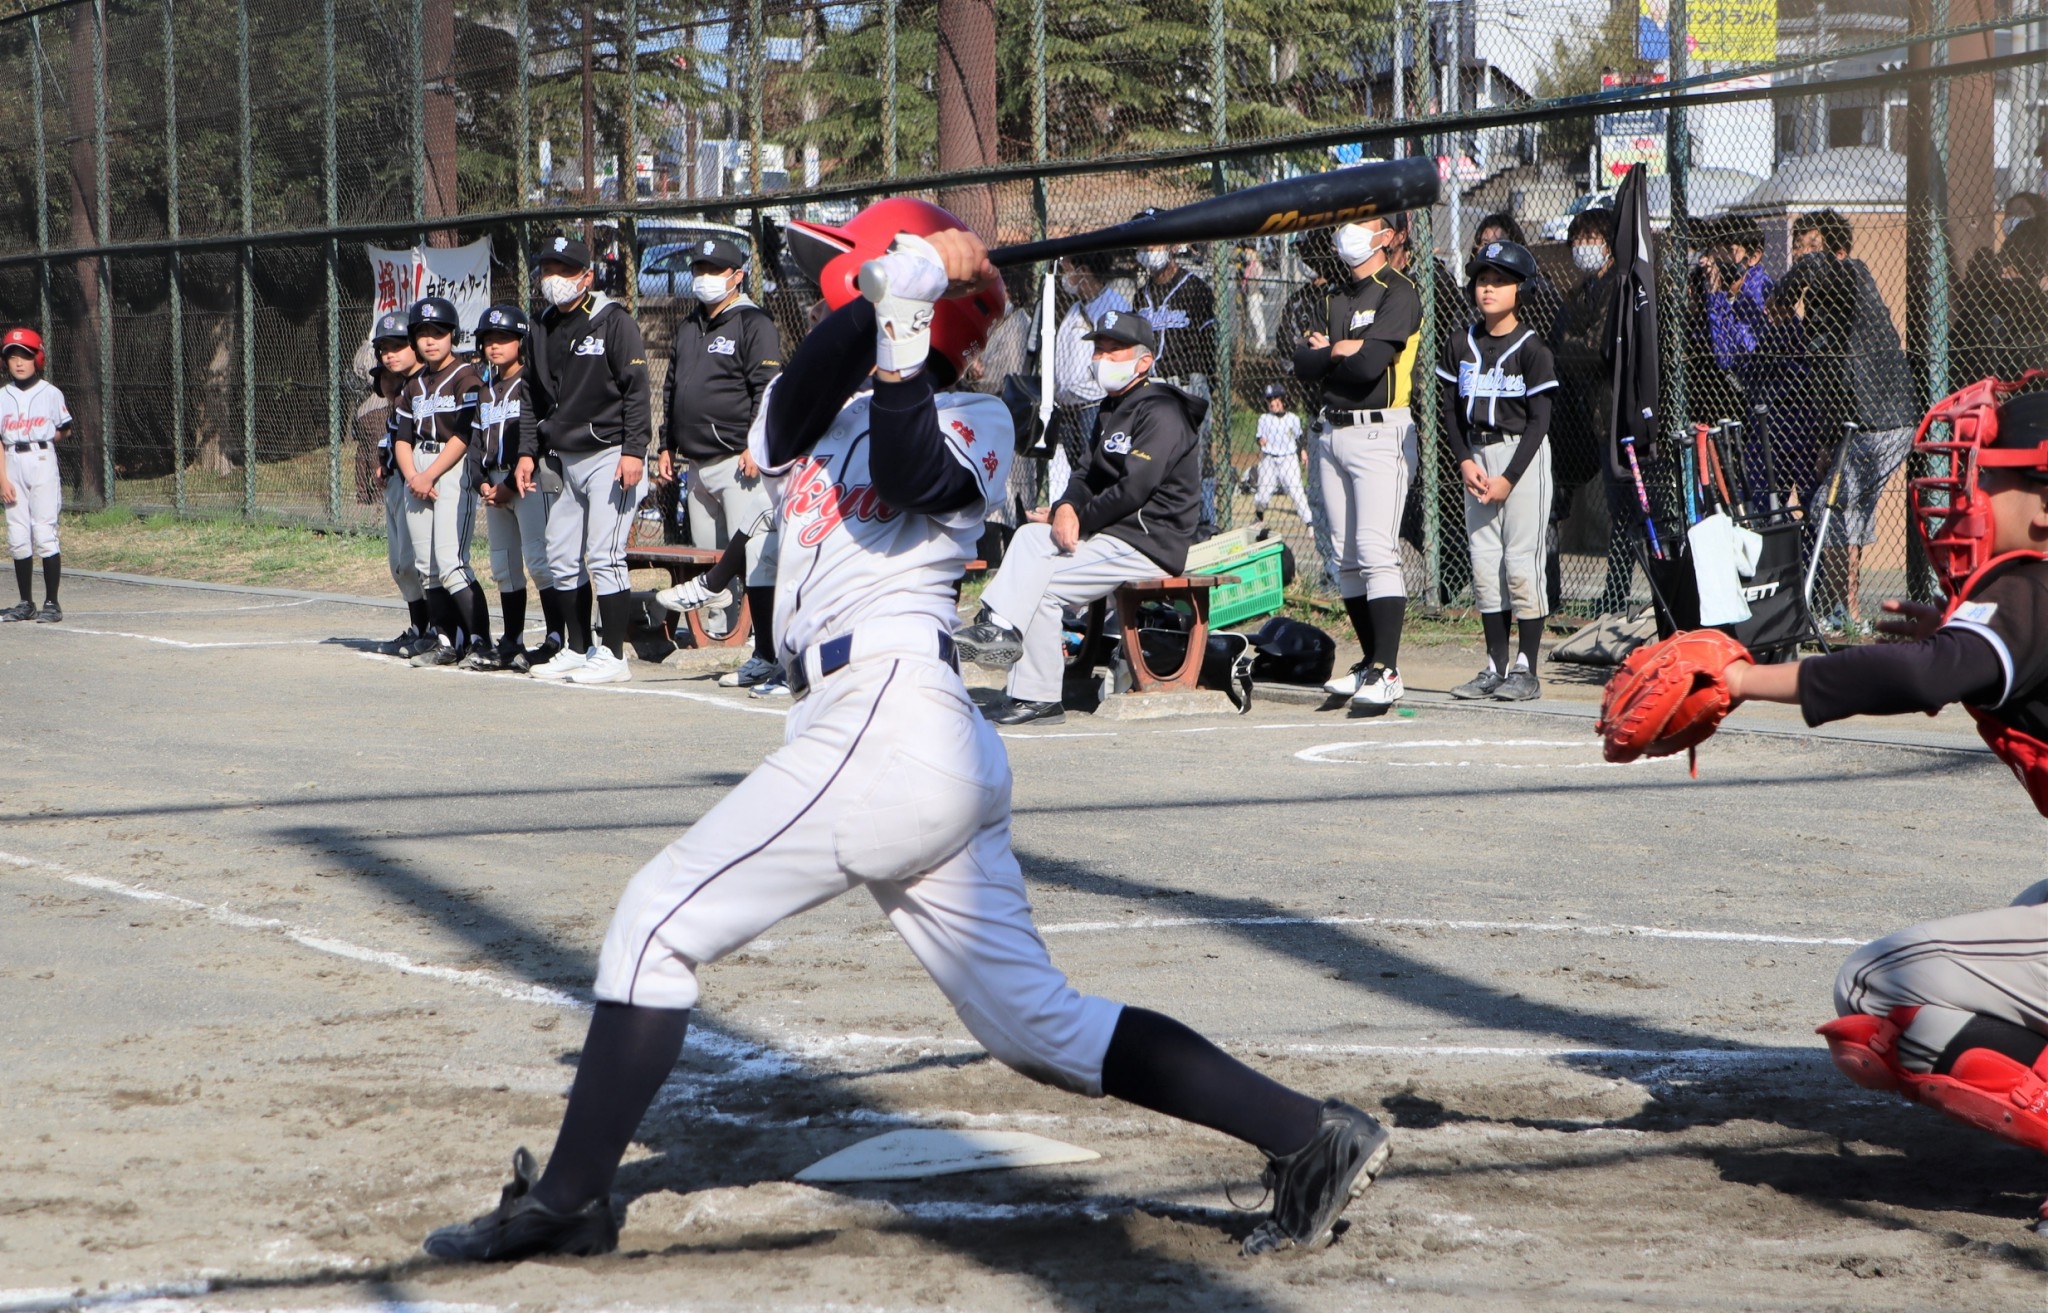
pixel 439 654
pixel 1312 1185
pixel 1480 685
pixel 1031 713
pixel 50 614
pixel 988 643
pixel 511 656
pixel 401 645
pixel 1521 685
pixel 521 1227
pixel 481 656
pixel 19 611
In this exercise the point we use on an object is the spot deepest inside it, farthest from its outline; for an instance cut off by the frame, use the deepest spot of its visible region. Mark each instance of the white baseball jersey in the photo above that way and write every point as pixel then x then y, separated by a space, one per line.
pixel 30 418
pixel 32 414
pixel 845 556
pixel 1279 434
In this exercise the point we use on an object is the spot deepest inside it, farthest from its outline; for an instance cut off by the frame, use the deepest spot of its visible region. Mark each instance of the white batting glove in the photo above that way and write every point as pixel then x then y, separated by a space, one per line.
pixel 685 596
pixel 903 285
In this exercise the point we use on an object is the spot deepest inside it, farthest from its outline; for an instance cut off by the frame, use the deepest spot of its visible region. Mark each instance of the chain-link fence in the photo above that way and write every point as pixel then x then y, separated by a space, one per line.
pixel 1849 223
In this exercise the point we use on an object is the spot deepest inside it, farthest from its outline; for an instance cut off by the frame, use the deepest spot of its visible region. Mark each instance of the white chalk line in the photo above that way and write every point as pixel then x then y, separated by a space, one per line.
pixel 527 680
pixel 1436 923
pixel 179 642
pixel 205 610
pixel 1324 754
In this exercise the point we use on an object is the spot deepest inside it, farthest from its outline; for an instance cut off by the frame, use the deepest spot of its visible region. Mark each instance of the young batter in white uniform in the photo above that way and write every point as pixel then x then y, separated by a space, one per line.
pixel 33 417
pixel 1280 459
pixel 888 778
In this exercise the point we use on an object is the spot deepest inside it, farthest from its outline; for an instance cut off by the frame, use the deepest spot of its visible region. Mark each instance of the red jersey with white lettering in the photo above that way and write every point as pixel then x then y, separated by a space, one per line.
pixel 846 557
pixel 32 413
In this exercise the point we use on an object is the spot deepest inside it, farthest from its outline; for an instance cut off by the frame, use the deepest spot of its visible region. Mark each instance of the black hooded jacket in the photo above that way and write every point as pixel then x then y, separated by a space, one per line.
pixel 1143 484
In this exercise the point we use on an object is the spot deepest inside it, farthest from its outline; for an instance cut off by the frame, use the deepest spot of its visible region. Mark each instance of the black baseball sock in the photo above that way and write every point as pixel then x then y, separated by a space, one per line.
pixel 761 608
pixel 1157 1063
pixel 626 1056
pixel 1387 614
pixel 1981 1032
pixel 1530 634
pixel 53 570
pixel 615 614
pixel 446 621
pixel 512 611
pixel 551 614
pixel 1361 623
pixel 575 623
pixel 476 613
pixel 1494 624
pixel 416 609
pixel 24 575
pixel 584 596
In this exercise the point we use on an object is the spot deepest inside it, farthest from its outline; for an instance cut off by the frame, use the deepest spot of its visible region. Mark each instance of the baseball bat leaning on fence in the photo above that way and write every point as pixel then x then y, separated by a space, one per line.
pixel 1628 444
pixel 1827 511
pixel 1315 200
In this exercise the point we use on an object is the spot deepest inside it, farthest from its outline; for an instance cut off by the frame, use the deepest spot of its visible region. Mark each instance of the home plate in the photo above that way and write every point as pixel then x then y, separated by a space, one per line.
pixel 915 1154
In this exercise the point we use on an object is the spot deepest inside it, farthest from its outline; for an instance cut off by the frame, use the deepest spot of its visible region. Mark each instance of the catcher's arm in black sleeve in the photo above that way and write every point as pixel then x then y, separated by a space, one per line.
pixel 1880 679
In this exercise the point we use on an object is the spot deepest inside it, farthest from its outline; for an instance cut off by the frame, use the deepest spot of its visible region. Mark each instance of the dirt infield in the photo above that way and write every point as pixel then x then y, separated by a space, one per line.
pixel 296 944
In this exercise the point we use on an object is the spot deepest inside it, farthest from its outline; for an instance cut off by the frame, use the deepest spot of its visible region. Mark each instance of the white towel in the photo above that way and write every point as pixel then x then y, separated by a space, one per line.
pixel 1723 554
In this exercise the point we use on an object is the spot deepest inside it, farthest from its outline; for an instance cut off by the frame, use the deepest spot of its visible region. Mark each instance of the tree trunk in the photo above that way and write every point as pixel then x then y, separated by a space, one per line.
pixel 967 107
pixel 80 370
pixel 438 63
pixel 212 416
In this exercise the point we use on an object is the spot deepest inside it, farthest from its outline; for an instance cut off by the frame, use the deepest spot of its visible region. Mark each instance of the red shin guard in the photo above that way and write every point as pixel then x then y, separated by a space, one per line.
pixel 1984 1088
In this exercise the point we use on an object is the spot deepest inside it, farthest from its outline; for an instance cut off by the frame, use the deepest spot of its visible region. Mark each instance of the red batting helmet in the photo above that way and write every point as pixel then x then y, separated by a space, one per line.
pixel 1987 428
pixel 24 339
pixel 833 257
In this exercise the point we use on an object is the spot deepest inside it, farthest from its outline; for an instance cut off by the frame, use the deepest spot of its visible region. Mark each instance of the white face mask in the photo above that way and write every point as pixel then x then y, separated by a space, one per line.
pixel 709 288
pixel 1356 243
pixel 561 291
pixel 1152 261
pixel 1115 375
pixel 1070 284
pixel 1589 255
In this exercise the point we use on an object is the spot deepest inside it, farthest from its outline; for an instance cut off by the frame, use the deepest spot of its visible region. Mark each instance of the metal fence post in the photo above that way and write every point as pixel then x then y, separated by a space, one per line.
pixel 524 177
pixel 757 65
pixel 1220 437
pixel 104 265
pixel 889 88
pixel 1675 307
pixel 1939 254
pixel 629 167
pixel 1039 95
pixel 418 126
pixel 176 264
pixel 35 28
pixel 1422 264
pixel 332 187
pixel 248 262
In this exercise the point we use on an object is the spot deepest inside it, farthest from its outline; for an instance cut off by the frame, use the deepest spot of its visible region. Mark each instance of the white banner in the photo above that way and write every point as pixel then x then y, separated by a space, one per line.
pixel 460 273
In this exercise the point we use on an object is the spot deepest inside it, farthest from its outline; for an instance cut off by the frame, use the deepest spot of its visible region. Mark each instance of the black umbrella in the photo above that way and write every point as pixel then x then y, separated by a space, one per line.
pixel 1632 344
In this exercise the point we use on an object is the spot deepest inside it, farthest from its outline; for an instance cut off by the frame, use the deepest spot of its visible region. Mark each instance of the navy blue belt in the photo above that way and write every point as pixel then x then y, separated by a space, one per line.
pixel 28 446
pixel 833 656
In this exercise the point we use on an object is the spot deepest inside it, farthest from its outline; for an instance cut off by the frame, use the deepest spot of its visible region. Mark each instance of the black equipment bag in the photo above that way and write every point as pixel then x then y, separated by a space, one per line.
pixel 1292 652
pixel 1226 664
pixel 1020 395
pixel 1778 619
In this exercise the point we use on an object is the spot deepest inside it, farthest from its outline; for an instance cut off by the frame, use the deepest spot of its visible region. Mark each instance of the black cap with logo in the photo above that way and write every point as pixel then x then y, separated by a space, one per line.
pixel 563 250
pixel 718 253
pixel 1127 327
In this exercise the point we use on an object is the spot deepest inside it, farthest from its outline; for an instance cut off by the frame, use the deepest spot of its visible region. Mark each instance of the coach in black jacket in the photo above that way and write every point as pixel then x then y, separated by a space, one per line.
pixel 726 351
pixel 1130 515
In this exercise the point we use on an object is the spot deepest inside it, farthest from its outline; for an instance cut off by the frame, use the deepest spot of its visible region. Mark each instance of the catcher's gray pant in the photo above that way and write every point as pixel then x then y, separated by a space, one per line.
pixel 38 495
pixel 1281 474
pixel 440 529
pixel 1036 583
pixel 728 504
pixel 519 538
pixel 1364 470
pixel 1992 963
pixel 590 522
pixel 398 540
pixel 1506 538
pixel 887 778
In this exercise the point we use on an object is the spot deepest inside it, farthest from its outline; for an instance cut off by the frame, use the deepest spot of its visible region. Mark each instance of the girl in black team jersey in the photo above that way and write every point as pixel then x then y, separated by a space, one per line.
pixel 1954 1013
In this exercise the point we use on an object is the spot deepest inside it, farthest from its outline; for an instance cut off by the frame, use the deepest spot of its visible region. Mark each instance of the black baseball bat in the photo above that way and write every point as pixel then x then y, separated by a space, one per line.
pixel 1291 205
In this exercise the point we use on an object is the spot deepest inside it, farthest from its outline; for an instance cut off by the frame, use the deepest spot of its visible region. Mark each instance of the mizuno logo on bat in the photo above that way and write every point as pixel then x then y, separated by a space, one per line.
pixel 1294 221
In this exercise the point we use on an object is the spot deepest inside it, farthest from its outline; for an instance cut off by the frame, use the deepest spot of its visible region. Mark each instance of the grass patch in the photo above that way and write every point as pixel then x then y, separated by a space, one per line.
pixel 226 552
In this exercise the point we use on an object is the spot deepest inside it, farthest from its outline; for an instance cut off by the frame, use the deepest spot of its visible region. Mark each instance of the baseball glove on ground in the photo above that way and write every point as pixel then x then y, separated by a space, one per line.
pixel 1669 696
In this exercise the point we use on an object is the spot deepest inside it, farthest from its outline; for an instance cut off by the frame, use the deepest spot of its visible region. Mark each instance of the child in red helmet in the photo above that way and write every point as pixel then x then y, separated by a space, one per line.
pixel 33 417
pixel 1954 1013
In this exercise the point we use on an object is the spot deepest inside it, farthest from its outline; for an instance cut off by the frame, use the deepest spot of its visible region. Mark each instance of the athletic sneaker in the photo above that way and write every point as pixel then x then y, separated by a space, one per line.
pixel 1312 1185
pixel 1521 685
pixel 560 666
pixel 401 645
pixel 1031 713
pixel 1380 687
pixel 425 640
pixel 775 686
pixel 1480 685
pixel 988 642
pixel 520 1227
pixel 50 614
pixel 442 653
pixel 23 610
pixel 601 667
pixel 752 671
pixel 481 656
pixel 1346 684
pixel 512 656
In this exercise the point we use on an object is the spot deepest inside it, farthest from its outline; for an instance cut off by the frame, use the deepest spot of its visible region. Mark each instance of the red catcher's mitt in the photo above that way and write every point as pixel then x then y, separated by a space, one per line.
pixel 1669 696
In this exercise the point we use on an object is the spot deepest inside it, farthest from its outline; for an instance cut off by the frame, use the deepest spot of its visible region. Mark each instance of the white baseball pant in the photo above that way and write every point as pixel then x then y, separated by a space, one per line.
pixel 38 496
pixel 1992 963
pixel 1036 583
pixel 589 524
pixel 440 529
pixel 1506 538
pixel 519 540
pixel 398 540
pixel 728 504
pixel 888 778
pixel 1281 474
pixel 1364 471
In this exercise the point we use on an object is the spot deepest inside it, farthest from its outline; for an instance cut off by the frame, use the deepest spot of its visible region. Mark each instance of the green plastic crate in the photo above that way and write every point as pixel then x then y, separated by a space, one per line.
pixel 1258 590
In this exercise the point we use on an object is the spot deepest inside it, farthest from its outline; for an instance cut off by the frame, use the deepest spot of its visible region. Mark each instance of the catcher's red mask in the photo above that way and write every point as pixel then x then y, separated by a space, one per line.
pixel 1951 511
pixel 833 257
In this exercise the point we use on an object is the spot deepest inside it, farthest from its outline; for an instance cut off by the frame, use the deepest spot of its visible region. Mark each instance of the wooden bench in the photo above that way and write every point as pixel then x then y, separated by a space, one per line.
pixel 1191 588
pixel 685 563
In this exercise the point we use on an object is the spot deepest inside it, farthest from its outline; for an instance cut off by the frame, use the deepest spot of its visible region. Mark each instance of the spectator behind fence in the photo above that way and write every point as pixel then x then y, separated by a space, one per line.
pixel 1451 311
pixel 1539 304
pixel 2001 316
pixel 1738 293
pixel 1877 384
pixel 1307 311
pixel 1075 393
pixel 1181 307
pixel 1585 396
